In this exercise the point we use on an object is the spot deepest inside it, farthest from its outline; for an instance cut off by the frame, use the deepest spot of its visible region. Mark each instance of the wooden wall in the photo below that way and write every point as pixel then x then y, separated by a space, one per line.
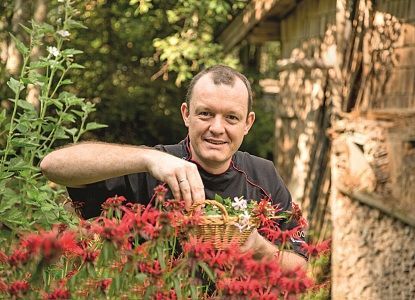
pixel 310 19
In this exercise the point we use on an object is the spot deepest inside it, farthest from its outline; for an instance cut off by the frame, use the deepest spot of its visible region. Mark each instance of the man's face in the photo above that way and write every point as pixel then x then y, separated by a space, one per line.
pixel 217 120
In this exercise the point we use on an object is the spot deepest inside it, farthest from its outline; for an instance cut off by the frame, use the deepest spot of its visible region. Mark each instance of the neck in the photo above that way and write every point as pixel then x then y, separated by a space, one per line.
pixel 211 168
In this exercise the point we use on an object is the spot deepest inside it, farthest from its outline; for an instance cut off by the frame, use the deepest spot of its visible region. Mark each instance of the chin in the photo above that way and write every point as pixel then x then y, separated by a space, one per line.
pixel 215 159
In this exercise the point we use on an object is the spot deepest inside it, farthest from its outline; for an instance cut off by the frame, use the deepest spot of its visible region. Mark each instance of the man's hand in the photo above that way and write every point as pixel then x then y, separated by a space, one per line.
pixel 264 248
pixel 182 177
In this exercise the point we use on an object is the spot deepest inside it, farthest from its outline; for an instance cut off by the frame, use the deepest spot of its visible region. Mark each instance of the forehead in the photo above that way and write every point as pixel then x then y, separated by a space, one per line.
pixel 206 91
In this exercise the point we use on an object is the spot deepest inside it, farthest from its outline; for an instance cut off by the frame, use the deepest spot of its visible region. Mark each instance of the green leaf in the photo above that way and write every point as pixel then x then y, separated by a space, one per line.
pixel 75 24
pixel 27 29
pixel 76 66
pixel 60 134
pixel 193 292
pixel 2 116
pixel 94 125
pixel 25 105
pixel 19 45
pixel 72 131
pixel 71 51
pixel 208 271
pixel 23 128
pixel 57 103
pixel 15 85
pixel 177 287
pixel 77 112
pixel 66 81
pixel 39 64
pixel 218 198
pixel 23 142
pixel 46 28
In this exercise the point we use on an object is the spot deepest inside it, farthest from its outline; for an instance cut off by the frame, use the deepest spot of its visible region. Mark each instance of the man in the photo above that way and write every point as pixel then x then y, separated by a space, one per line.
pixel 218 114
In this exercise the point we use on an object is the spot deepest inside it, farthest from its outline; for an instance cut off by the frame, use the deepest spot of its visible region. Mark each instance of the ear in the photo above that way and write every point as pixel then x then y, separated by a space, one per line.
pixel 249 122
pixel 185 113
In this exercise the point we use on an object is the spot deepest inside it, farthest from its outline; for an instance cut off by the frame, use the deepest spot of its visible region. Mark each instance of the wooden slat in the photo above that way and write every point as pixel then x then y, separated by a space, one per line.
pixel 386 205
pixel 255 12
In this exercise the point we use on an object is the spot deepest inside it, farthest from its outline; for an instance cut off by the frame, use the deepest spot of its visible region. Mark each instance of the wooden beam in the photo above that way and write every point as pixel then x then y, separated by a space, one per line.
pixel 255 12
pixel 387 206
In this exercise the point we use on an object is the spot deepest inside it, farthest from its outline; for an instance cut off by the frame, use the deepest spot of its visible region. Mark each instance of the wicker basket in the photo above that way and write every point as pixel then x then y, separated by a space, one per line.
pixel 221 229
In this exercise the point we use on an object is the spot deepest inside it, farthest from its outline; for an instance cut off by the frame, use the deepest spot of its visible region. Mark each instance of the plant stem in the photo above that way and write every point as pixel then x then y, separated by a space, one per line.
pixel 16 100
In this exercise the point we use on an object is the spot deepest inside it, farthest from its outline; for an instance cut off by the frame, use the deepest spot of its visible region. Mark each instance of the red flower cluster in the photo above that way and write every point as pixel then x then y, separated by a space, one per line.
pixel 46 244
pixel 151 250
pixel 18 287
pixel 314 250
pixel 60 294
pixel 104 284
pixel 113 202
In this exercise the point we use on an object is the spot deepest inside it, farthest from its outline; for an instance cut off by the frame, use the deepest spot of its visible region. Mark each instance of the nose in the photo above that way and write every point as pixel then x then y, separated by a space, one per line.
pixel 217 126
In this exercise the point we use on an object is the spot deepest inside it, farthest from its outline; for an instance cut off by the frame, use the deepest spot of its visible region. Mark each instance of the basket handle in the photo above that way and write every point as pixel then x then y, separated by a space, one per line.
pixel 214 203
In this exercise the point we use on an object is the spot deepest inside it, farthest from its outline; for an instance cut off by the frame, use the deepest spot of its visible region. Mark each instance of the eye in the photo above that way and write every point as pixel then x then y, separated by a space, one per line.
pixel 205 114
pixel 233 118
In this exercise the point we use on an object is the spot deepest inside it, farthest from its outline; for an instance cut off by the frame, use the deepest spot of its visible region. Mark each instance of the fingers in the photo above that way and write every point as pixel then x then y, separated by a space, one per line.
pixel 185 190
pixel 197 189
pixel 182 177
pixel 191 186
pixel 174 187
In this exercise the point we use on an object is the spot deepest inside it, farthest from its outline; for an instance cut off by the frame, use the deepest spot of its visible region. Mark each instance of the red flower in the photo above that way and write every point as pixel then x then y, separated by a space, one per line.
pixel 18 287
pixel 265 213
pixel 59 293
pixel 111 230
pixel 160 193
pixel 317 249
pixel 104 284
pixel 113 202
pixel 295 282
pixel 67 242
pixel 150 267
pixel 196 248
pixel 278 234
pixel 169 295
pixel 51 244
pixel 89 255
pixel 18 257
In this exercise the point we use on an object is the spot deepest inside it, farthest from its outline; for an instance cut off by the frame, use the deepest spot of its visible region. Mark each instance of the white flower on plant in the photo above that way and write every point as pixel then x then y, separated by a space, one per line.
pixel 61 1
pixel 239 203
pixel 53 50
pixel 243 221
pixel 63 33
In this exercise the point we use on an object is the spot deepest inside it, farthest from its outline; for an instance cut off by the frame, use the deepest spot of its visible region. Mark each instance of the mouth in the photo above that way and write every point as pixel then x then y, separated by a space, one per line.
pixel 215 142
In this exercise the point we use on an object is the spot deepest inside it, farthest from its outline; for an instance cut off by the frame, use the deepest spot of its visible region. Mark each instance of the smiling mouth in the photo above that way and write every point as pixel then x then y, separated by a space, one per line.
pixel 214 142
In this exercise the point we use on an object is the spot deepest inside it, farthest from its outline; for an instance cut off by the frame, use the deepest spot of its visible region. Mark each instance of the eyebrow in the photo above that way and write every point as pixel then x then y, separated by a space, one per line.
pixel 205 107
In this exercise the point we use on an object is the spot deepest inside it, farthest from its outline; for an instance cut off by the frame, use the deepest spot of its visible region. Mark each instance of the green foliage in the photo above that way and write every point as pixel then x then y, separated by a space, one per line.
pixel 30 131
pixel 136 52
pixel 192 44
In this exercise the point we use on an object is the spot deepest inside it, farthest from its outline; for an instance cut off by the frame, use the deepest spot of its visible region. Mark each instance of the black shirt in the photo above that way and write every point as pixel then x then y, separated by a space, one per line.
pixel 249 176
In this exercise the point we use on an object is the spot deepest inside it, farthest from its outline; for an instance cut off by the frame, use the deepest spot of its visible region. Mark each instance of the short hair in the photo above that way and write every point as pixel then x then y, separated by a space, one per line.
pixel 221 74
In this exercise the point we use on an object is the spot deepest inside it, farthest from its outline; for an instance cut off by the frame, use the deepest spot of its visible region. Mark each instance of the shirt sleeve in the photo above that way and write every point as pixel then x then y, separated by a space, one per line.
pixel 88 200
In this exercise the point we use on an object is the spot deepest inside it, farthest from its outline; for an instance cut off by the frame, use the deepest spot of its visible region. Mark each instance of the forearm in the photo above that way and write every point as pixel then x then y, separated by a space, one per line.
pixel 84 163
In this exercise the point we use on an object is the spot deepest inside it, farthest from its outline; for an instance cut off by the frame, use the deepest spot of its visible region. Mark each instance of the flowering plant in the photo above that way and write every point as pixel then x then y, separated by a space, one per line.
pixel 138 252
